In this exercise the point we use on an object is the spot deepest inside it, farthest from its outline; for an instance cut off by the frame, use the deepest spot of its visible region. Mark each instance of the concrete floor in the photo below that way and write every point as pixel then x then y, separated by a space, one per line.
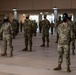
pixel 40 61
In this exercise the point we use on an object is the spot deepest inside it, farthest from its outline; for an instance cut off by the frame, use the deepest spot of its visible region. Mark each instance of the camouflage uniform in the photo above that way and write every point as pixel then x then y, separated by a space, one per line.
pixel 34 28
pixel 21 25
pixel 73 40
pixel 58 22
pixel 28 32
pixel 65 36
pixel 52 26
pixel 40 26
pixel 75 29
pixel 45 31
pixel 0 28
pixel 14 27
pixel 6 29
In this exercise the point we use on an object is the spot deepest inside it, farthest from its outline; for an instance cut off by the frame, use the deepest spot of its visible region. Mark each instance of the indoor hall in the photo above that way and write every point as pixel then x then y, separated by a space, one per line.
pixel 42 60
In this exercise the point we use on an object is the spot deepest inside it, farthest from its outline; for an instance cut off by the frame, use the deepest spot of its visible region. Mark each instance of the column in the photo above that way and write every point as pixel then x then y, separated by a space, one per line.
pixel 74 17
pixel 55 15
pixel 15 14
pixel 40 17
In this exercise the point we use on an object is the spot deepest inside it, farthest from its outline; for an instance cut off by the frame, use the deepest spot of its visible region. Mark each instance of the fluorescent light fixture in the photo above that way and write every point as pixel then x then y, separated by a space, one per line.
pixel 52 14
pixel 55 8
pixel 23 14
pixel 46 12
pixel 41 13
pixel 14 9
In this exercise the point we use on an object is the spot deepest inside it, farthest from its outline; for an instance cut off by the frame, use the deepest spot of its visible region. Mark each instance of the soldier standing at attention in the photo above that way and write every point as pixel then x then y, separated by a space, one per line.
pixel 73 40
pixel 65 37
pixel 28 33
pixel 58 22
pixel 75 29
pixel 14 27
pixel 6 30
pixel 35 28
pixel 45 31
pixel 21 25
pixel 52 26
pixel 0 28
pixel 40 26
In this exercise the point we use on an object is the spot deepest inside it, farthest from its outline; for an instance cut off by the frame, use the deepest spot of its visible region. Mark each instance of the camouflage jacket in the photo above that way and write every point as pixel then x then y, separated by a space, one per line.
pixel 58 22
pixel 28 26
pixel 45 26
pixel 75 26
pixel 65 34
pixel 52 25
pixel 14 25
pixel 6 29
pixel 35 25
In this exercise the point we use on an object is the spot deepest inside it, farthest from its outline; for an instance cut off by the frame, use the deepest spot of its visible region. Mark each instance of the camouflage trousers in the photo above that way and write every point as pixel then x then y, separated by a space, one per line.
pixel 7 40
pixel 45 37
pixel 51 30
pixel 73 44
pixel 14 34
pixel 28 40
pixel 64 49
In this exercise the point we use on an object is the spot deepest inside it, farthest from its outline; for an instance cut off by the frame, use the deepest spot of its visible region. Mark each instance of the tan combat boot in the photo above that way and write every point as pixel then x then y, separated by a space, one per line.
pixel 43 45
pixel 68 68
pixel 4 54
pixel 58 67
pixel 25 49
pixel 11 53
pixel 30 49
pixel 47 44
pixel 73 52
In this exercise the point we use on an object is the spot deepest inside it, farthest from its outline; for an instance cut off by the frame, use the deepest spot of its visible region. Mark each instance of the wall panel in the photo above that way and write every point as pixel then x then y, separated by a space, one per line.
pixel 61 4
pixel 25 4
pixel 7 4
pixel 42 4
pixel 73 4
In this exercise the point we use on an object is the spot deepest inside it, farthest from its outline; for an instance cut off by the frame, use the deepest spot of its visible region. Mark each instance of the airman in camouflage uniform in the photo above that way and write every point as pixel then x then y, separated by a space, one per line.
pixel 58 22
pixel 73 40
pixel 0 28
pixel 52 26
pixel 14 27
pixel 40 26
pixel 21 26
pixel 6 29
pixel 65 36
pixel 45 31
pixel 35 28
pixel 28 32
pixel 75 29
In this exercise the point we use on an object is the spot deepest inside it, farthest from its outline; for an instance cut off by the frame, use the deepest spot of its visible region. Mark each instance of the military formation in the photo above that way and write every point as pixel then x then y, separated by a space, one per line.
pixel 65 29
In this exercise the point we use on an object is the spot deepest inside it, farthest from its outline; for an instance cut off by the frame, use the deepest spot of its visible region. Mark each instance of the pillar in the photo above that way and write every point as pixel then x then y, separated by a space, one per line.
pixel 55 15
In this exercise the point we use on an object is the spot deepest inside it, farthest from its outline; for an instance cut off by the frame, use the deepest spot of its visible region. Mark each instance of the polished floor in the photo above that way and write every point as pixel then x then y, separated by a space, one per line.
pixel 40 61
